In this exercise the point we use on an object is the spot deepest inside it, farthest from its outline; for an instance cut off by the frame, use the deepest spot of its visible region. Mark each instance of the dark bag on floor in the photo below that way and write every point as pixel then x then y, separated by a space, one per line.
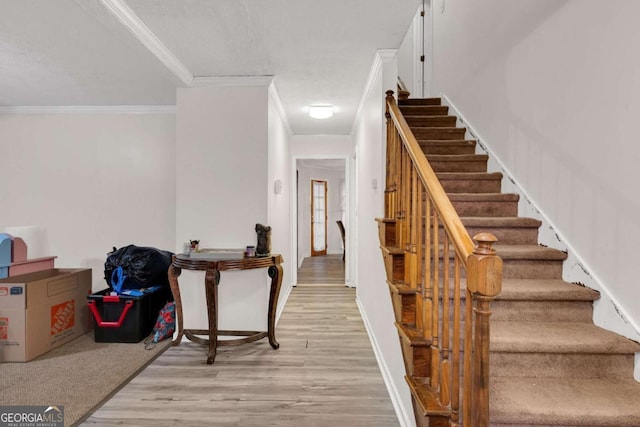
pixel 143 266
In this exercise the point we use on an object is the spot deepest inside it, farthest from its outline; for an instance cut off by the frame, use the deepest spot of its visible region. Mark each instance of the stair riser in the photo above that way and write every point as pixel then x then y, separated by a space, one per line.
pixel 434 121
pixel 534 311
pixel 424 110
pixel 542 311
pixel 416 359
pixel 510 236
pixel 486 209
pixel 394 266
pixel 505 235
pixel 471 185
pixel 519 424
pixel 424 421
pixel 404 307
pixel 512 268
pixel 522 269
pixel 420 101
pixel 558 365
pixel 439 133
pixel 462 166
pixel 447 150
pixel 387 233
pixel 532 269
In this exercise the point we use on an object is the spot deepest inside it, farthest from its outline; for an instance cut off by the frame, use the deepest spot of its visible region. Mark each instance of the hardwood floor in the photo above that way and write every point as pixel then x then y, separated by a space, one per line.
pixel 323 269
pixel 324 374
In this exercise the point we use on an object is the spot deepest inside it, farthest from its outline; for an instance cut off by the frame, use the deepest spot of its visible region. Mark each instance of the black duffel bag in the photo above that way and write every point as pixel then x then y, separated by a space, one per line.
pixel 143 266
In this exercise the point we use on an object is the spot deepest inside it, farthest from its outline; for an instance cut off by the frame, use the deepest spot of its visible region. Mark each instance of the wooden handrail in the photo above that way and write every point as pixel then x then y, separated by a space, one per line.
pixel 427 252
pixel 403 93
pixel 463 243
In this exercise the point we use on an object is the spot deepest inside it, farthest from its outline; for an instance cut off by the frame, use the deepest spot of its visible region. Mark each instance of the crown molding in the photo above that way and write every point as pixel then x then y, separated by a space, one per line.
pixel 90 109
pixel 134 24
pixel 233 81
pixel 275 97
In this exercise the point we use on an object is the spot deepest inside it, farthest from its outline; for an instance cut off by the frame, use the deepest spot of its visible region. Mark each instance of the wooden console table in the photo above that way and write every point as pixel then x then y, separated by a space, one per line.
pixel 212 269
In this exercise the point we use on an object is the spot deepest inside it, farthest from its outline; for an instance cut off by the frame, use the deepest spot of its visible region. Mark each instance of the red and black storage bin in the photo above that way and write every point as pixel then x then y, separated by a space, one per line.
pixel 125 318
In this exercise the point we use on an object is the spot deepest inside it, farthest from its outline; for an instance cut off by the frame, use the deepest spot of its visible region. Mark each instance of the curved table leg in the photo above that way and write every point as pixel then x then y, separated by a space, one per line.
pixel 275 272
pixel 173 274
pixel 211 281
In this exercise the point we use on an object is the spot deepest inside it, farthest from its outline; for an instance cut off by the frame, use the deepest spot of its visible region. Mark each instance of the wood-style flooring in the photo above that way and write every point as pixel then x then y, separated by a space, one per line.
pixel 324 374
pixel 322 269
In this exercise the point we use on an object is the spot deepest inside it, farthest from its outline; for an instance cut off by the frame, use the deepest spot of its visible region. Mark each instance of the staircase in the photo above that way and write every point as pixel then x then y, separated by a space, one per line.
pixel 549 364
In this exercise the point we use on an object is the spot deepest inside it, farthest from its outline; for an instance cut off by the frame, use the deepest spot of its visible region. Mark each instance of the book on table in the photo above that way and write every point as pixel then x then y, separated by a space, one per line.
pixel 217 254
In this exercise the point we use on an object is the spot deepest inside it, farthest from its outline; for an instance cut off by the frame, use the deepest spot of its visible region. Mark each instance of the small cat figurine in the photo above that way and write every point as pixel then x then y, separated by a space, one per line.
pixel 264 240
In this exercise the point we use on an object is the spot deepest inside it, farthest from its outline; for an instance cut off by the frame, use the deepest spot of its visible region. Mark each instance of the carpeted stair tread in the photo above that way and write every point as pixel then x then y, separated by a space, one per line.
pixel 529 252
pixel 564 402
pixel 484 197
pixel 470 182
pixel 557 337
pixel 431 121
pixel 444 133
pixel 537 290
pixel 488 221
pixel 464 176
pixel 458 157
pixel 447 142
pixel 523 252
pixel 545 290
pixel 508 230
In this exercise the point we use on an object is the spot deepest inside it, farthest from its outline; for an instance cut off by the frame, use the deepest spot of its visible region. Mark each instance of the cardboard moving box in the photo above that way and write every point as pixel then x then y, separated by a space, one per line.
pixel 41 311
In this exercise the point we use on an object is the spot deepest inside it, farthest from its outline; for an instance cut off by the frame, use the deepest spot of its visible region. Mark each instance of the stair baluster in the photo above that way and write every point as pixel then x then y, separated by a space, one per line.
pixel 424 271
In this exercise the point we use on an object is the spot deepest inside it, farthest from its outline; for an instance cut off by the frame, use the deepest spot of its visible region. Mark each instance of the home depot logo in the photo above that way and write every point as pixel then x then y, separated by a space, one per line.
pixel 63 316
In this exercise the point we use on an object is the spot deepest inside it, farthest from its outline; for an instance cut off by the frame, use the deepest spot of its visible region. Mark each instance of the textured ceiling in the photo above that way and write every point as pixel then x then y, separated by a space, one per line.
pixel 76 52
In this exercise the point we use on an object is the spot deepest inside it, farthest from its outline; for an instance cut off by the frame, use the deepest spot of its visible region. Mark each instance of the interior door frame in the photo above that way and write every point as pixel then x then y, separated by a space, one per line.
pixel 326 217
pixel 350 266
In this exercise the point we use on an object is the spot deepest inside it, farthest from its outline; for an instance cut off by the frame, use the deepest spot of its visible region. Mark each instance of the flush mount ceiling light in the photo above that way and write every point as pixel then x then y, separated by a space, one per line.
pixel 321 111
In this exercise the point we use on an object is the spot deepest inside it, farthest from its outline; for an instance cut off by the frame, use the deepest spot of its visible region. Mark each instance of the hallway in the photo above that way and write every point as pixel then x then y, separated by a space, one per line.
pixel 324 374
pixel 322 269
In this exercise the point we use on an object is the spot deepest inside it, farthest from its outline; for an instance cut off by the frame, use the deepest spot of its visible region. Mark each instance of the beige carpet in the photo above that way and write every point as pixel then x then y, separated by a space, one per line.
pixel 79 375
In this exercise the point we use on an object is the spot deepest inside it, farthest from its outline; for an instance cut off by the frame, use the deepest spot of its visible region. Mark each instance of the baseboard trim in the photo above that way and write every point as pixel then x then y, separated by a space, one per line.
pixel 281 306
pixel 405 417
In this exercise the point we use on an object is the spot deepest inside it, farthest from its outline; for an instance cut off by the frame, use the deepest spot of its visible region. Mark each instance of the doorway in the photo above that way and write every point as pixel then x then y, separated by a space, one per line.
pixel 321 203
pixel 318 217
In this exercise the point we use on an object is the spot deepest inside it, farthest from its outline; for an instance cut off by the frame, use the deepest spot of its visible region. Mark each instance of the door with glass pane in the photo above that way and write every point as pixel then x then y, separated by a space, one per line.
pixel 318 217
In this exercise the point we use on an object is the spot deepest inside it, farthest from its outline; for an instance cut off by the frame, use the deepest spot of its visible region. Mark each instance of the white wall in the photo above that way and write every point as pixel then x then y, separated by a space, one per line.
pixel 222 183
pixel 93 180
pixel 279 205
pixel 372 290
pixel 321 146
pixel 553 89
pixel 98 180
pixel 334 178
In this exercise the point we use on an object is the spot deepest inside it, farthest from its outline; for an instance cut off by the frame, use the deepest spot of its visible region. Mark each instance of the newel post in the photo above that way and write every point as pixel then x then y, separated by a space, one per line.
pixel 484 283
